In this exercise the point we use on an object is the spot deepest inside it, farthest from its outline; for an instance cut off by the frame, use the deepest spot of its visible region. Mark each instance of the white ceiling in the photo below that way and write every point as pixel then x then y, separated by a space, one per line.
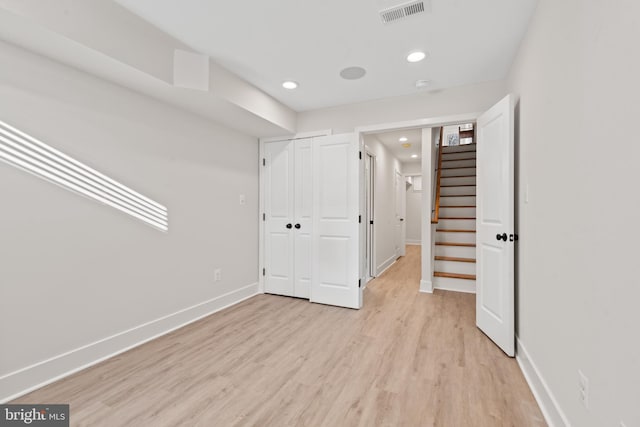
pixel 267 42
pixel 391 141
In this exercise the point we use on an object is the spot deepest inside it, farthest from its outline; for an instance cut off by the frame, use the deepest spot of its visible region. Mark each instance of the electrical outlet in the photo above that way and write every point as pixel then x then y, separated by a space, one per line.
pixel 243 199
pixel 217 275
pixel 583 389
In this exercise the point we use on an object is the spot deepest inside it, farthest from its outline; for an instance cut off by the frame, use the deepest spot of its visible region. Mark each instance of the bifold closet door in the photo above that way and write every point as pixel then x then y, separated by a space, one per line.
pixel 288 212
pixel 336 210
pixel 278 228
pixel 303 210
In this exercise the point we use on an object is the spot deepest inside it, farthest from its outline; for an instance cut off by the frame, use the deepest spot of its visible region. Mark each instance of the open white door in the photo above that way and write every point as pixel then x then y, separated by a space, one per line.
pixel 335 247
pixel 495 313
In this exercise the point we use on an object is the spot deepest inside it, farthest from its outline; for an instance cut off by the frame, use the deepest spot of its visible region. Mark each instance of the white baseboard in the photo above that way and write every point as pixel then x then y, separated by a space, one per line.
pixel 551 411
pixel 25 380
pixel 455 285
pixel 426 286
pixel 385 265
pixel 413 242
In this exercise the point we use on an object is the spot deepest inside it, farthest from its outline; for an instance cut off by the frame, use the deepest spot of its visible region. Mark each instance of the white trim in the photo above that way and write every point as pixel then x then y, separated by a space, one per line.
pixel 385 265
pixel 451 284
pixel 548 404
pixel 27 379
pixel 413 242
pixel 300 135
pixel 426 286
pixel 261 212
pixel 420 123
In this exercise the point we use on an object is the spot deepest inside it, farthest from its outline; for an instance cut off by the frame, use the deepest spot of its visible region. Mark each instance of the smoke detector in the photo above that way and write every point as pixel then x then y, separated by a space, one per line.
pixel 403 10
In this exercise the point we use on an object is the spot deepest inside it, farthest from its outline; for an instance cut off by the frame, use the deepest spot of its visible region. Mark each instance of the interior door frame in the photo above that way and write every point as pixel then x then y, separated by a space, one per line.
pixel 426 283
pixel 261 207
pixel 401 216
pixel 370 215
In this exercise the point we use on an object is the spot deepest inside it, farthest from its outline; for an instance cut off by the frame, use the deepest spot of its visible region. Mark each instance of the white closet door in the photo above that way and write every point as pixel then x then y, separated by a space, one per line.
pixel 335 221
pixel 303 214
pixel 279 206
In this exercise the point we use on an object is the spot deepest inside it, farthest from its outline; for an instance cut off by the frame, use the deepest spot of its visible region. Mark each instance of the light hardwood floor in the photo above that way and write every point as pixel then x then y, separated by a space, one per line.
pixel 405 359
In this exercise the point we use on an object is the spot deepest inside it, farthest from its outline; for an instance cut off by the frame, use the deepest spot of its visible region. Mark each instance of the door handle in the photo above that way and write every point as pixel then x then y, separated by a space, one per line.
pixel 502 236
pixel 401 219
pixel 289 226
pixel 297 226
pixel 513 237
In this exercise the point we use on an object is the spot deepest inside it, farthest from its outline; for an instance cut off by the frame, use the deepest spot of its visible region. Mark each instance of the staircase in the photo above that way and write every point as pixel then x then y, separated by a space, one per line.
pixel 455 241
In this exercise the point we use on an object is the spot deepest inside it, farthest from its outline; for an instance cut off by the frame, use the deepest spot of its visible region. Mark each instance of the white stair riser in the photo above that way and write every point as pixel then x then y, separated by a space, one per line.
pixel 454 172
pixel 455 237
pixel 457 181
pixel 458 212
pixel 454 156
pixel 455 251
pixel 458 201
pixel 458 285
pixel 459 164
pixel 457 224
pixel 459 191
pixel 455 267
pixel 459 148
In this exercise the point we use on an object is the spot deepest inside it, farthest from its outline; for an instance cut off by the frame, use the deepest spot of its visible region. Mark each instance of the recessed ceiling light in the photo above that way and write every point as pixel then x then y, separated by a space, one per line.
pixel 403 139
pixel 353 73
pixel 414 156
pixel 416 56
pixel 289 84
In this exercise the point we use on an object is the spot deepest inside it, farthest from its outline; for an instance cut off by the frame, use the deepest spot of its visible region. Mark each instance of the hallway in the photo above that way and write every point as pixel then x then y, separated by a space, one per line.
pixel 405 359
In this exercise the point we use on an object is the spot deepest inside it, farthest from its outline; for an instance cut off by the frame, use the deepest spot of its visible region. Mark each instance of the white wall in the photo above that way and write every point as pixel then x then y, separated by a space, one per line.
pixel 75 271
pixel 578 294
pixel 458 100
pixel 384 210
pixel 413 217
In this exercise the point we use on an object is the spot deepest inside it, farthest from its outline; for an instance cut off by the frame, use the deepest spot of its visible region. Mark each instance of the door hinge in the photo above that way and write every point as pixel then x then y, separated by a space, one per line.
pixel 264 162
pixel 264 216
pixel 360 155
pixel 264 271
pixel 359 283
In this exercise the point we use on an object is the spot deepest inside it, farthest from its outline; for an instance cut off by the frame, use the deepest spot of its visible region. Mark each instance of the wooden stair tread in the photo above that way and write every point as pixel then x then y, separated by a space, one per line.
pixel 458 176
pixel 458 185
pixel 457 195
pixel 455 275
pixel 468 206
pixel 454 259
pixel 454 230
pixel 457 160
pixel 466 245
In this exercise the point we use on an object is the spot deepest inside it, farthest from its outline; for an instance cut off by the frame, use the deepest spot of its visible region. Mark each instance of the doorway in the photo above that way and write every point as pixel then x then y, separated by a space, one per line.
pixel 370 182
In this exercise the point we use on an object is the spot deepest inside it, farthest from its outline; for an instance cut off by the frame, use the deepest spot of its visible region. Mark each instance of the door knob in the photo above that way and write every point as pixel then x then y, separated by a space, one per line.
pixel 502 236
pixel 401 219
pixel 289 226
pixel 297 226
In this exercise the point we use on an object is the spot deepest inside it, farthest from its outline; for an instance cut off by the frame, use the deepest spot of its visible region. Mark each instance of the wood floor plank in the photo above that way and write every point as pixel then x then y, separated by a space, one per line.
pixel 405 359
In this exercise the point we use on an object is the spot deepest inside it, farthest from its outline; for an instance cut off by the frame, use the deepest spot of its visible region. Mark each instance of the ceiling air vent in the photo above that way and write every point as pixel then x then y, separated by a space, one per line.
pixel 402 11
